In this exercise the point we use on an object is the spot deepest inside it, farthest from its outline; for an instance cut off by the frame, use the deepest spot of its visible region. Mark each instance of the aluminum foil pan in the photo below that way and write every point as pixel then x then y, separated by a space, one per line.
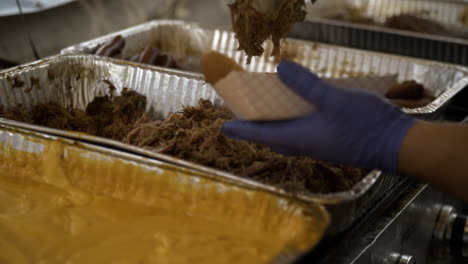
pixel 101 171
pixel 74 80
pixel 453 49
pixel 185 42
pixel 442 80
pixel 447 12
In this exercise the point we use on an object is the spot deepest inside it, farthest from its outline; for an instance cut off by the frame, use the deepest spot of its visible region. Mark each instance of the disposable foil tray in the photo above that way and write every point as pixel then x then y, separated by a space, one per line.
pixel 187 41
pixel 452 49
pixel 75 80
pixel 95 170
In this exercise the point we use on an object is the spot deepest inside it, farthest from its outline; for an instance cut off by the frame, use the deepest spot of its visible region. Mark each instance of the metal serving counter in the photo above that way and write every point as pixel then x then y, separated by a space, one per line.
pixel 406 233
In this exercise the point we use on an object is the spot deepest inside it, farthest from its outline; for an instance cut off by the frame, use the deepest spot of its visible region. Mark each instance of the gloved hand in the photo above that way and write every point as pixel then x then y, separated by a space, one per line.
pixel 351 127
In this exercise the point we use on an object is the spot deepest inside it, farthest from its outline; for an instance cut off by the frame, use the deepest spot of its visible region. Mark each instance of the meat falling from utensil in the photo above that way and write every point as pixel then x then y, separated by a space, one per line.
pixel 253 27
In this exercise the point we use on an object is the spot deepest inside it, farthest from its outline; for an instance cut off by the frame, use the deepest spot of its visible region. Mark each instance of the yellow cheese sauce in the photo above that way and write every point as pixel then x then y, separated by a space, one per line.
pixel 65 206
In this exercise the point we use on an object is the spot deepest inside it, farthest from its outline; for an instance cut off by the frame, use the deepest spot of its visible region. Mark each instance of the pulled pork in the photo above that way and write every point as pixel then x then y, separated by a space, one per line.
pixel 193 134
pixel 253 27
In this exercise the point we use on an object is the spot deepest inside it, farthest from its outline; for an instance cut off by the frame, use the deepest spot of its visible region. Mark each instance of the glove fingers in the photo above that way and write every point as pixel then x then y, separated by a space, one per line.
pixel 304 83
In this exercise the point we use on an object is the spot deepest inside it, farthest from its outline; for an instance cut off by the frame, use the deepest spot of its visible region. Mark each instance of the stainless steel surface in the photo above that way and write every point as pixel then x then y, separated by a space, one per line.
pixel 74 80
pixel 31 146
pixel 396 258
pixel 443 221
pixel 465 240
pixel 450 231
pixel 408 232
pixel 370 37
pixel 405 229
pixel 407 260
pixel 185 40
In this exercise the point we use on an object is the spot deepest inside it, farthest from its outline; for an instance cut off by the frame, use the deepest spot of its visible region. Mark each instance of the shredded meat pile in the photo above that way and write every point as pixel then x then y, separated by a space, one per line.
pixel 104 116
pixel 194 134
pixel 253 27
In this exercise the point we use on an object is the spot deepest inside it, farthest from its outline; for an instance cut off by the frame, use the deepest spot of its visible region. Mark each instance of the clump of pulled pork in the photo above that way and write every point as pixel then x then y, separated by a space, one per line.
pixel 253 27
pixel 194 134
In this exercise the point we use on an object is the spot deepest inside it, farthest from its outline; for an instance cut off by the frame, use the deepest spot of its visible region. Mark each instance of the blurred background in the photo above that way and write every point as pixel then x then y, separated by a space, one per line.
pixel 364 24
pixel 56 24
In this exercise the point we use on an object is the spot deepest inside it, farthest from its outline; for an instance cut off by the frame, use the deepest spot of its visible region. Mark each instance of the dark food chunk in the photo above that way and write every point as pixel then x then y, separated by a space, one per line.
pixel 112 48
pixel 150 55
pixel 406 90
pixel 415 23
pixel 409 94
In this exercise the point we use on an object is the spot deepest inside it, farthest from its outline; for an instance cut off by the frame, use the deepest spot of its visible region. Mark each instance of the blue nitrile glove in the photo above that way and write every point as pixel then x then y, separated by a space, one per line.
pixel 351 127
